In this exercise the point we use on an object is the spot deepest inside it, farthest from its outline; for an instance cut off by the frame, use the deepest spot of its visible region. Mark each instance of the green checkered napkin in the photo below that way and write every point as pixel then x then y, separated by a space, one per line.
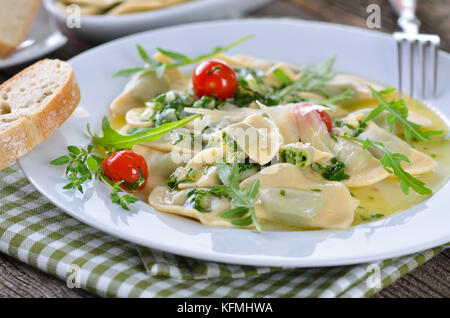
pixel 36 232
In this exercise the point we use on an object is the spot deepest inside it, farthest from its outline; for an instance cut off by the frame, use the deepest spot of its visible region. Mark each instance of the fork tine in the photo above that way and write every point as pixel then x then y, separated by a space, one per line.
pixel 434 67
pixel 399 65
pixel 422 66
pixel 411 67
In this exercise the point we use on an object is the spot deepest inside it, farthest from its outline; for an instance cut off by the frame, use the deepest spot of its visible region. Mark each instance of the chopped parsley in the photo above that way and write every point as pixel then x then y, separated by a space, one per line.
pixel 244 166
pixel 195 198
pixel 371 217
pixel 333 172
pixel 175 180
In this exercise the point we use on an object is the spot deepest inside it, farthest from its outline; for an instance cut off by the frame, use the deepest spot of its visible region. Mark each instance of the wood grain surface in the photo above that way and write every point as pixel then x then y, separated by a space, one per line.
pixel 430 280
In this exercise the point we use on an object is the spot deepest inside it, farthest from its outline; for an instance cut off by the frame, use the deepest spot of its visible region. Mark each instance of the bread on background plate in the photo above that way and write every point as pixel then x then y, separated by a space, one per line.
pixel 33 104
pixel 15 20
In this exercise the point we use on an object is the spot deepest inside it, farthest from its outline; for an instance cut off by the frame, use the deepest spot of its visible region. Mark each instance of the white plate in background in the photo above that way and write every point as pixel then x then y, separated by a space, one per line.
pixel 366 53
pixel 103 28
pixel 43 37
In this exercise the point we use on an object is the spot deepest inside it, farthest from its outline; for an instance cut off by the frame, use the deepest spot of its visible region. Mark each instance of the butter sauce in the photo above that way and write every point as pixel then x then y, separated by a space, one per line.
pixel 386 198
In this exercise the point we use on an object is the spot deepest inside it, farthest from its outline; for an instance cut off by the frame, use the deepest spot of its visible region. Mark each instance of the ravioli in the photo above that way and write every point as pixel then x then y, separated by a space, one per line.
pixel 146 85
pixel 258 137
pixel 299 197
pixel 300 121
pixel 176 202
pixel 420 163
pixel 287 147
pixel 201 169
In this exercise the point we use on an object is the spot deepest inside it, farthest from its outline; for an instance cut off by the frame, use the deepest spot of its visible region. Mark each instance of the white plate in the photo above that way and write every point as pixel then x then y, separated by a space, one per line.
pixel 366 53
pixel 43 37
pixel 103 28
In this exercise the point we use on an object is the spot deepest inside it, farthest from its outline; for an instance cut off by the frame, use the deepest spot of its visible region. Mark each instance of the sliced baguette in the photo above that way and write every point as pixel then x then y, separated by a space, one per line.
pixel 33 104
pixel 15 20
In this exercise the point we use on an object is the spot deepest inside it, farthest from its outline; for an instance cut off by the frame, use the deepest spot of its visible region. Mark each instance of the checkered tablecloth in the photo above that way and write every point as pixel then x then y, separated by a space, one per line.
pixel 36 232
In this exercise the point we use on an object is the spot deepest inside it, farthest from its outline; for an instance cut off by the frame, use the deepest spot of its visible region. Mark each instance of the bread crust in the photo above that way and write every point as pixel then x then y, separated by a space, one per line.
pixel 22 134
pixel 6 49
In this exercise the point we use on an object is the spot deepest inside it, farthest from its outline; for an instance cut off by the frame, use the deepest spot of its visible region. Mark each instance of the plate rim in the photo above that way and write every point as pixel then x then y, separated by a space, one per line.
pixel 142 16
pixel 254 260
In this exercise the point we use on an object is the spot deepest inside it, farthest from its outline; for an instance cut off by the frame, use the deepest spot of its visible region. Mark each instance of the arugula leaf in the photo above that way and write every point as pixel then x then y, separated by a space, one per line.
pixel 313 78
pixel 113 140
pixel 398 113
pixel 242 200
pixel 178 59
pixel 391 162
pixel 281 77
pixel 330 102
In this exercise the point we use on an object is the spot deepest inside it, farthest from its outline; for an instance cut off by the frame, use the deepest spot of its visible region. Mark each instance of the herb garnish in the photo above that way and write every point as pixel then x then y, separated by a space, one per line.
pixel 281 77
pixel 313 79
pixel 178 59
pixel 82 164
pixel 330 102
pixel 371 217
pixel 333 172
pixel 243 211
pixel 244 166
pixel 174 180
pixel 195 197
pixel 398 113
pixel 113 140
pixel 391 162
pixel 123 200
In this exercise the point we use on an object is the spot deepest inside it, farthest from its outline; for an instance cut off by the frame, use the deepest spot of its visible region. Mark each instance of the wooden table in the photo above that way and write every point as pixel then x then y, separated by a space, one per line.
pixel 430 280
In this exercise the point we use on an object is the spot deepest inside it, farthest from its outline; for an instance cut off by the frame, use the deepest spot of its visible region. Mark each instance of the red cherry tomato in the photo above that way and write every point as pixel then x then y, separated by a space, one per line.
pixel 125 165
pixel 325 117
pixel 214 78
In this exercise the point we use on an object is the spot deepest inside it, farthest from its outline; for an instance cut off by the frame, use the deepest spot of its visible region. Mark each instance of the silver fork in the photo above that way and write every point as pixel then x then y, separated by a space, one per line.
pixel 413 40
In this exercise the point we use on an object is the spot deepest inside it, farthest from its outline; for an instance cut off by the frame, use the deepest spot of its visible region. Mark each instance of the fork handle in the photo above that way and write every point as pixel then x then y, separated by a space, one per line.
pixel 406 10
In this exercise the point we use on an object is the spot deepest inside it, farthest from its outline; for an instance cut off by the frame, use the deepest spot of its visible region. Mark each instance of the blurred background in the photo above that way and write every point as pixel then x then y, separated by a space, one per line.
pixel 64 28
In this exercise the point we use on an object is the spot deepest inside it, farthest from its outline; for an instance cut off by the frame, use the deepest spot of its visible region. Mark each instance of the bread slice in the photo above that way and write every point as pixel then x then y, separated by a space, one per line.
pixel 33 104
pixel 15 20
